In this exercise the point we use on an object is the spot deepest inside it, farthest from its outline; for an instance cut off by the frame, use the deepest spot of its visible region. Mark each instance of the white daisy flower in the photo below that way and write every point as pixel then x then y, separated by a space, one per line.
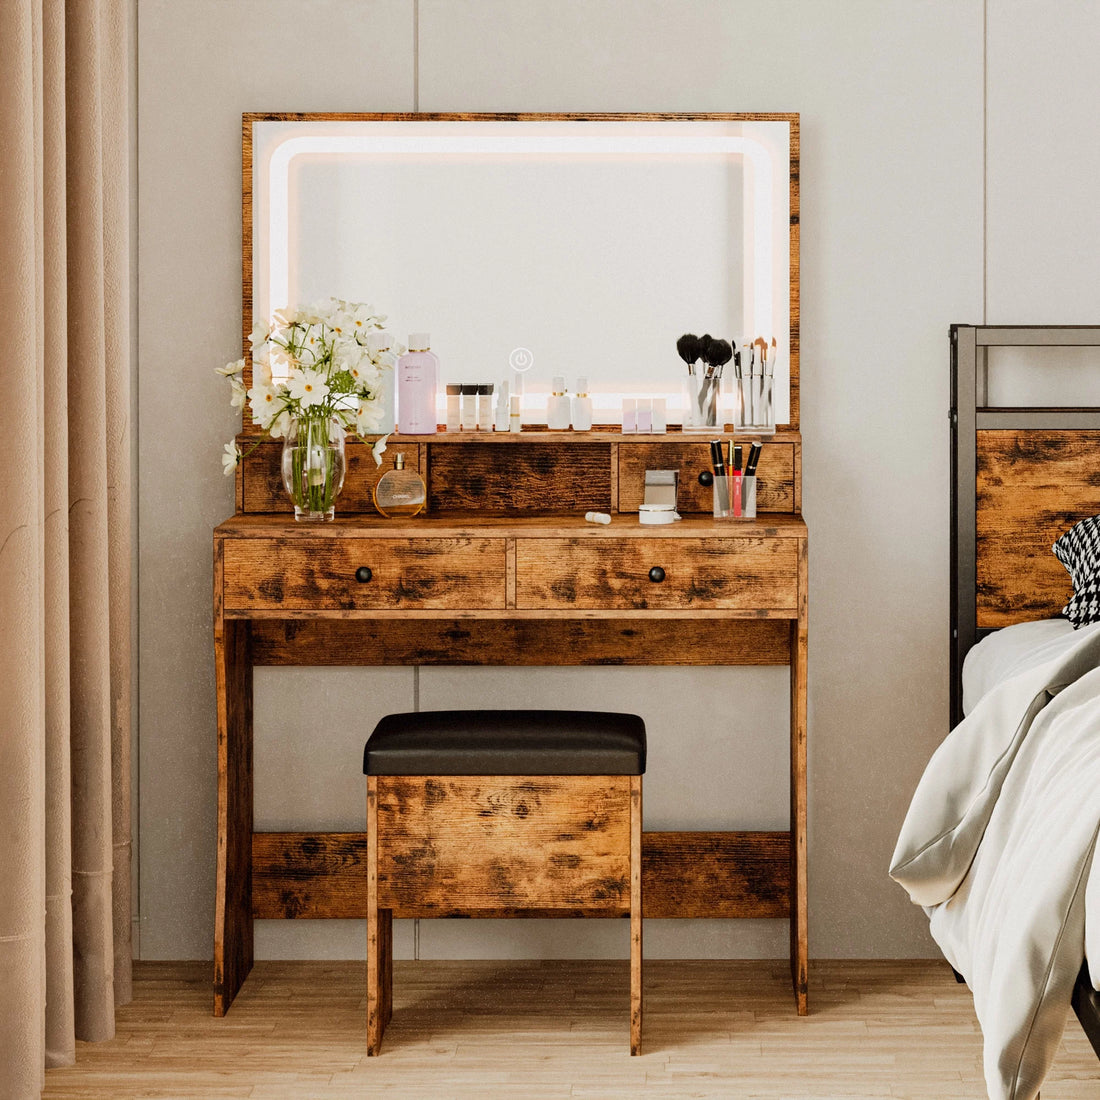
pixel 231 457
pixel 308 387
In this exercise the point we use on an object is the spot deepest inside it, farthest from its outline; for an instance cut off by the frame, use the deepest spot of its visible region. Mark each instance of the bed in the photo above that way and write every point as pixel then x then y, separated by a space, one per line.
pixel 1012 796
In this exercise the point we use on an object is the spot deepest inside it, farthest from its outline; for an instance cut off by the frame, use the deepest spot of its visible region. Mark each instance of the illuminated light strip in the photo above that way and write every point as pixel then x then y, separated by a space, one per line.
pixel 754 153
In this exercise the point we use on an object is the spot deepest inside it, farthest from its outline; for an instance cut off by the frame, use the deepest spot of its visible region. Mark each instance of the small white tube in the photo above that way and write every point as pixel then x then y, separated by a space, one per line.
pixel 597 517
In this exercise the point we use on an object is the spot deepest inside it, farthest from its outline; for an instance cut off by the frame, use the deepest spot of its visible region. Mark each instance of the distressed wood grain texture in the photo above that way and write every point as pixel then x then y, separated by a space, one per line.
pixel 523 642
pixel 698 573
pixel 799 900
pixel 636 895
pixel 490 479
pixel 774 483
pixel 1032 486
pixel 405 573
pixel 684 874
pixel 233 933
pixel 506 841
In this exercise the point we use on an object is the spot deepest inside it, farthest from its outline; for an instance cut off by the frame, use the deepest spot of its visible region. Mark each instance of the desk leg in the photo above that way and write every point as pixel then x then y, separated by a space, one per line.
pixel 799 910
pixel 233 902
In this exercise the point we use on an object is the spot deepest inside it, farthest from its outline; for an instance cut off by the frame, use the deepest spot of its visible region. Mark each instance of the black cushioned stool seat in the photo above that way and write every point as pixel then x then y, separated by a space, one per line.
pixel 502 813
pixel 506 742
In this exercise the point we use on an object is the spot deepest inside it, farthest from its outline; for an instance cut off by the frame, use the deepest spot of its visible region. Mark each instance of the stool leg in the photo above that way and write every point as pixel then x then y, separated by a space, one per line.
pixel 636 914
pixel 379 936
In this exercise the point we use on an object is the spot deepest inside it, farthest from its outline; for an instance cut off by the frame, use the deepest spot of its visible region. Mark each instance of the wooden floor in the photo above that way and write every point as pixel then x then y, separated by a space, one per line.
pixel 554 1029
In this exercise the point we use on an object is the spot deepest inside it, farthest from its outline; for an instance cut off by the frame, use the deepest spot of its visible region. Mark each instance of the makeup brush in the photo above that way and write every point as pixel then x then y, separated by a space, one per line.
pixel 718 353
pixel 688 348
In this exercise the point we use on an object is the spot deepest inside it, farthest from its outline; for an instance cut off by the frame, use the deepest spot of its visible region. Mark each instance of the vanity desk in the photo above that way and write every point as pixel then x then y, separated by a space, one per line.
pixel 521 580
pixel 594 239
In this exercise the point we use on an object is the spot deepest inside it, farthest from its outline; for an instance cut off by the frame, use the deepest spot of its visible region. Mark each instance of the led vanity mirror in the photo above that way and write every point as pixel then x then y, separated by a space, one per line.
pixel 577 246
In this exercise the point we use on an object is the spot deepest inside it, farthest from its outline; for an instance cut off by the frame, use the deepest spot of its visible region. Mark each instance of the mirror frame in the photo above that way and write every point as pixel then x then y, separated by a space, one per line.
pixel 250 117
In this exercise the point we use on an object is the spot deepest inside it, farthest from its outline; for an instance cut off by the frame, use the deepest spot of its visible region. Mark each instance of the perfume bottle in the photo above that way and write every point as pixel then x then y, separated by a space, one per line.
pixel 582 407
pixel 417 375
pixel 557 408
pixel 400 492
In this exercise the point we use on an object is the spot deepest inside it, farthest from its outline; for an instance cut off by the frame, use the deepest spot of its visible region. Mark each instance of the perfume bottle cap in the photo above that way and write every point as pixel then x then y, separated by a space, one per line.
pixel 453 388
pixel 469 388
pixel 420 341
pixel 485 388
pixel 558 385
pixel 399 461
pixel 582 387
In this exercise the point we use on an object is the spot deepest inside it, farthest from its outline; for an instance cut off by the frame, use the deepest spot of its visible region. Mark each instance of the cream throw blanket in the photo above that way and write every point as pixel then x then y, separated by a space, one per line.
pixel 998 846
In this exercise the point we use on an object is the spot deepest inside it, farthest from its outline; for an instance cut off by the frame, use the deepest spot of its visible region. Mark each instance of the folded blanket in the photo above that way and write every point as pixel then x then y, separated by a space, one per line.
pixel 998 844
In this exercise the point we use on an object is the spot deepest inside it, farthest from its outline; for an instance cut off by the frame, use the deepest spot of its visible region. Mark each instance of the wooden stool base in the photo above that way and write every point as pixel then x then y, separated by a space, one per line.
pixel 505 845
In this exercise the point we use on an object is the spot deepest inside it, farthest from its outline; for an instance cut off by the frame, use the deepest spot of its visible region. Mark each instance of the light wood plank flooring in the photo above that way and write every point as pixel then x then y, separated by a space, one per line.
pixel 479 1030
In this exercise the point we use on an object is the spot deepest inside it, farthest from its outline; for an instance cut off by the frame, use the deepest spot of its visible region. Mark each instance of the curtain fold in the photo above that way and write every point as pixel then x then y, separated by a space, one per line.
pixel 64 532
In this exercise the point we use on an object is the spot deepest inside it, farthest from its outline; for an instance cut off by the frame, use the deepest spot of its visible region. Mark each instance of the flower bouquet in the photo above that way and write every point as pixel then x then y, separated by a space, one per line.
pixel 316 374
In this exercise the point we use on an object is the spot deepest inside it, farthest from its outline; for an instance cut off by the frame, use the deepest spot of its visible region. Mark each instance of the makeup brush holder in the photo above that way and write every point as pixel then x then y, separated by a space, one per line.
pixel 735 497
pixel 754 404
pixel 702 405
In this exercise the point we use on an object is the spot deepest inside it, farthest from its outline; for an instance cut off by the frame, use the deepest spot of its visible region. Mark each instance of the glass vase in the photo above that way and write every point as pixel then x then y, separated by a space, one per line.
pixel 314 466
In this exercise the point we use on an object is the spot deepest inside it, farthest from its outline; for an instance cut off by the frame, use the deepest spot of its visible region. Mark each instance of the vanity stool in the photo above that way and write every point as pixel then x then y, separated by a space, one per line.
pixel 502 813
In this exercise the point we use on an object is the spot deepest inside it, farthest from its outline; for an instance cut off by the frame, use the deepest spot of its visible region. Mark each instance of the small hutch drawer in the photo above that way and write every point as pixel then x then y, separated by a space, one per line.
pixel 737 574
pixel 354 574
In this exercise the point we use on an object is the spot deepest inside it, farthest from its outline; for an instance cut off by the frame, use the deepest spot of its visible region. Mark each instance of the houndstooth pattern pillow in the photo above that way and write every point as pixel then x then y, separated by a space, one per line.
pixel 1084 608
pixel 1079 551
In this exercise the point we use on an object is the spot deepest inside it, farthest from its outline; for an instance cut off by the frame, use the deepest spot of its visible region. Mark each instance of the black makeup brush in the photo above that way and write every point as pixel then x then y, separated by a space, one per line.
pixel 718 353
pixel 688 348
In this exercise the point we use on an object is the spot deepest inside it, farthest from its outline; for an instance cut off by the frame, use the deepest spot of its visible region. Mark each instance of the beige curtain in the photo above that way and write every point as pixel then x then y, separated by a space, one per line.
pixel 64 532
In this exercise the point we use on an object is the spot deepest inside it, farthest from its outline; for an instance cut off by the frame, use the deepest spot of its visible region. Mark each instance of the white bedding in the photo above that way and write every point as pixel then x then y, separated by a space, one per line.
pixel 1014 649
pixel 999 839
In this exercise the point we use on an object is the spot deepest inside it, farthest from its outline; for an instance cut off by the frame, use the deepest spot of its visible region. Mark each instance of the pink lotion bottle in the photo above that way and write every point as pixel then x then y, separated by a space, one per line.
pixel 417 377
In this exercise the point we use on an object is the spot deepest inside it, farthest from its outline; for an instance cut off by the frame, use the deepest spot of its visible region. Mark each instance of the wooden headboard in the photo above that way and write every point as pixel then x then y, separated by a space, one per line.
pixel 1020 478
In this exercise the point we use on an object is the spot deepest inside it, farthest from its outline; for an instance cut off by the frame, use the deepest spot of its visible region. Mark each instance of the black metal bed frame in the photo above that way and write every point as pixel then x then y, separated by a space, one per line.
pixel 970 413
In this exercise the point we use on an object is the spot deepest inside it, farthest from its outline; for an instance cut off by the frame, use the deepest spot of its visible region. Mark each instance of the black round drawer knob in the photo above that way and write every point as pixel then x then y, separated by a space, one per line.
pixel 363 574
pixel 706 478
pixel 656 574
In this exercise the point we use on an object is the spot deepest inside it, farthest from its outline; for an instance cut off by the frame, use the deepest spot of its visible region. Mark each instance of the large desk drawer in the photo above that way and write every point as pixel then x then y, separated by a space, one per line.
pixel 312 574
pixel 660 573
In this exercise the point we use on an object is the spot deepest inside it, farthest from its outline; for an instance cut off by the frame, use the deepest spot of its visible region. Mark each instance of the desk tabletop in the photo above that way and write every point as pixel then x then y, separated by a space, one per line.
pixel 564 525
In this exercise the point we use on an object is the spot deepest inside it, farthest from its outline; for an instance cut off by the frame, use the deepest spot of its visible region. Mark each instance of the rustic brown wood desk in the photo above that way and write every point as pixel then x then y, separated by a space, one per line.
pixel 503 570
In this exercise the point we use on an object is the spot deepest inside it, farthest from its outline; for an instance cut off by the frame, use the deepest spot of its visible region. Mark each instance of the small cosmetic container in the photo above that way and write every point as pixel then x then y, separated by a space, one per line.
pixel 630 415
pixel 502 407
pixel 485 406
pixel 454 420
pixel 582 407
pixel 469 406
pixel 515 415
pixel 645 415
pixel 660 415
pixel 557 408
pixel 735 497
